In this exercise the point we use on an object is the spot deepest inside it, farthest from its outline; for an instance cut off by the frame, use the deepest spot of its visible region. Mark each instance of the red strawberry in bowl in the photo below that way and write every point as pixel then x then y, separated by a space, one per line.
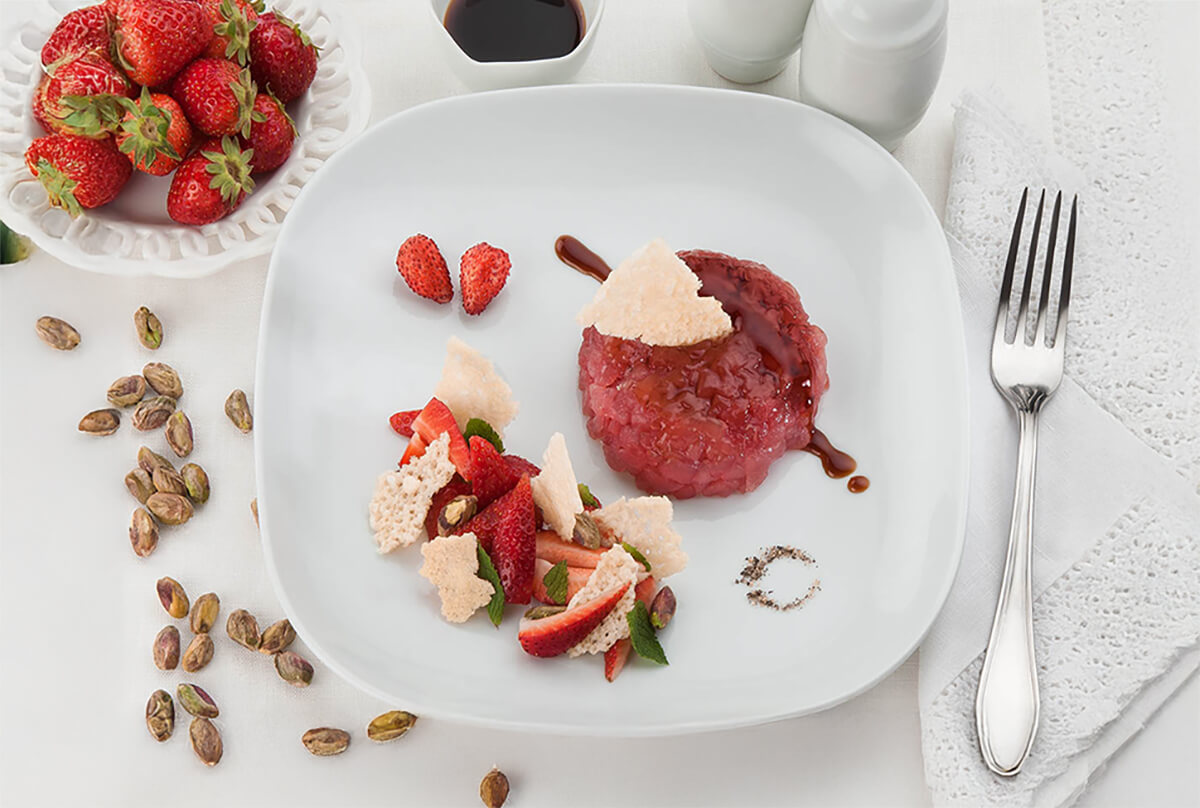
pixel 282 57
pixel 217 96
pixel 77 172
pixel 154 39
pixel 81 98
pixel 210 183
pixel 272 136
pixel 232 21
pixel 420 263
pixel 81 31
pixel 154 133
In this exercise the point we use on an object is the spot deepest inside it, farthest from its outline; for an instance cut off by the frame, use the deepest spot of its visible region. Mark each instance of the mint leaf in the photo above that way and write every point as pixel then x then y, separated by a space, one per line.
pixel 589 499
pixel 637 554
pixel 487 571
pixel 641 634
pixel 480 427
pixel 556 583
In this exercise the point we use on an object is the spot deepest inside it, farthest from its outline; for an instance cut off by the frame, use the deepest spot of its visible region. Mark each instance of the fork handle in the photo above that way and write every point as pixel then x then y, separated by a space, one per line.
pixel 1006 707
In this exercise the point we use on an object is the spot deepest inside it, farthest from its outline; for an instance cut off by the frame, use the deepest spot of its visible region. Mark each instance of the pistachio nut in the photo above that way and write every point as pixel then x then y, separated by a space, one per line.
pixel 238 410
pixel 153 413
pixel 196 701
pixel 148 461
pixel 168 481
pixel 195 479
pixel 254 510
pixel 127 391
pixel 170 509
pixel 58 334
pixel 293 669
pixel 204 613
pixel 166 648
pixel 160 715
pixel 100 422
pixel 143 533
pixel 179 434
pixel 493 789
pixel 662 608
pixel 326 741
pixel 206 741
pixel 587 532
pixel 242 628
pixel 140 484
pixel 149 329
pixel 538 612
pixel 390 725
pixel 198 654
pixel 456 512
pixel 172 597
pixel 277 637
pixel 163 379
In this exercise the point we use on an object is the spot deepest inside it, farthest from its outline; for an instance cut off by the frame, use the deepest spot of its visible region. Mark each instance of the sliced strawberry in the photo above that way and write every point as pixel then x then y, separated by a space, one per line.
pixel 482 273
pixel 457 487
pixel 513 543
pixel 423 268
pixel 615 658
pixel 553 549
pixel 432 421
pixel 402 422
pixel 645 590
pixel 521 466
pixel 552 636
pixel 577 577
pixel 491 477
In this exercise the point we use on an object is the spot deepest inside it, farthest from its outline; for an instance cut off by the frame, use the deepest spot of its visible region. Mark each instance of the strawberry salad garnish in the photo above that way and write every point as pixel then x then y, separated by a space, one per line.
pixel 496 529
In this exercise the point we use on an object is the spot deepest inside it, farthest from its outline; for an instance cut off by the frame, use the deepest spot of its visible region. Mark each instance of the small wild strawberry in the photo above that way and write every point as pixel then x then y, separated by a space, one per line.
pixel 282 57
pixel 210 183
pixel 483 272
pixel 424 269
pixel 77 172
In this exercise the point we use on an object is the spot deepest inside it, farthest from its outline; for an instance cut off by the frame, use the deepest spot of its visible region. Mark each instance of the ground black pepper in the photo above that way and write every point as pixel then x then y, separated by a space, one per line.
pixel 756 568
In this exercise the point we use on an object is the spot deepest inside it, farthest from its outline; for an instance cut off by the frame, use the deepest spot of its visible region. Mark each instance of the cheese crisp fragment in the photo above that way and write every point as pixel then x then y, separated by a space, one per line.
pixel 555 490
pixel 615 568
pixel 471 388
pixel 645 522
pixel 653 297
pixel 451 564
pixel 402 498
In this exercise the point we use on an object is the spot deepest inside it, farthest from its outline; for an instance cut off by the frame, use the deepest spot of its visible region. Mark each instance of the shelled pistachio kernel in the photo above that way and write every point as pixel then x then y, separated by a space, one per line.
pixel 326 741
pixel 493 789
pixel 198 654
pixel 149 329
pixel 196 701
pixel 163 379
pixel 238 411
pixel 143 533
pixel 100 422
pixel 293 669
pixel 126 391
pixel 242 628
pixel 168 481
pixel 277 637
pixel 179 435
pixel 166 648
pixel 206 741
pixel 170 509
pixel 204 613
pixel 140 484
pixel 172 597
pixel 58 334
pixel 160 715
pixel 195 479
pixel 152 413
pixel 390 725
pixel 149 460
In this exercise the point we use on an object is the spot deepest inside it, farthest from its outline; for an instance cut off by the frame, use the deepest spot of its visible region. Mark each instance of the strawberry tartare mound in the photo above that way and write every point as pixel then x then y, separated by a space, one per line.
pixel 709 419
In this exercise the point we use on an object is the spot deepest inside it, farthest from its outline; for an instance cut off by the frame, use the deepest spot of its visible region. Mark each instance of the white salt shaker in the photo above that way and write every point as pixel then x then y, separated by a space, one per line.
pixel 748 41
pixel 874 63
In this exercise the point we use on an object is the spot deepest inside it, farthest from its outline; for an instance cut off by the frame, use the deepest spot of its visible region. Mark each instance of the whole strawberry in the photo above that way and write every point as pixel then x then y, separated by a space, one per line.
pixel 232 22
pixel 81 31
pixel 282 57
pixel 483 272
pixel 154 134
pixel 217 96
pixel 154 39
pixel 210 183
pixel 423 268
pixel 77 172
pixel 271 137
pixel 82 97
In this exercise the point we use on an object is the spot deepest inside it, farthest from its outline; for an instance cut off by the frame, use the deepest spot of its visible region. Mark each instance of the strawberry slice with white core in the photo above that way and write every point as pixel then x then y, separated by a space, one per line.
pixel 552 636
pixel 577 577
pixel 553 549
pixel 616 657
pixel 435 419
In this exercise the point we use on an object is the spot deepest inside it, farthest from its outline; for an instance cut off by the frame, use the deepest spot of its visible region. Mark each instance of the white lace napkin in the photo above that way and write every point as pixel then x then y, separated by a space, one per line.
pixel 1117 534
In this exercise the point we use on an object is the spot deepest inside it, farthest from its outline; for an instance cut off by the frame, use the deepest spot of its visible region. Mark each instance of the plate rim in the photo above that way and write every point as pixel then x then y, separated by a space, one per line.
pixel 648 729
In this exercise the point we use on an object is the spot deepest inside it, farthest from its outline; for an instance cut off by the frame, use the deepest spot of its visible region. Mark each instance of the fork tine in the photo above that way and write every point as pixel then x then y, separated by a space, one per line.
pixel 1044 298
pixel 1023 307
pixel 1064 296
pixel 1009 268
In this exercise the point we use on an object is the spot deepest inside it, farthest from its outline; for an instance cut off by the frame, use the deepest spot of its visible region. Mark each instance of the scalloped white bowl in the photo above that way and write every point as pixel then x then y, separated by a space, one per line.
pixel 133 235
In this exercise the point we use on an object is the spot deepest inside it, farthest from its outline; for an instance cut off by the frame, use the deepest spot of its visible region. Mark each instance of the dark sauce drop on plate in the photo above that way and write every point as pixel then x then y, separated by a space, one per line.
pixel 837 464
pixel 515 30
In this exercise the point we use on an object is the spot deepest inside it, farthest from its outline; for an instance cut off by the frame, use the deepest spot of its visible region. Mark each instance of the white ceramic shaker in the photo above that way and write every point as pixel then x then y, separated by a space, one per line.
pixel 748 41
pixel 874 63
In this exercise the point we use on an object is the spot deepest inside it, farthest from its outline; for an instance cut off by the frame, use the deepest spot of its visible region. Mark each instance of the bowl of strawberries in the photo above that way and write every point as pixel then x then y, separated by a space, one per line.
pixel 170 137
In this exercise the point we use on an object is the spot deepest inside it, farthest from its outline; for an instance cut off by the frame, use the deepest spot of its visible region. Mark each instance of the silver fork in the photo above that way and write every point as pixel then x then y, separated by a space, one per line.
pixel 1026 374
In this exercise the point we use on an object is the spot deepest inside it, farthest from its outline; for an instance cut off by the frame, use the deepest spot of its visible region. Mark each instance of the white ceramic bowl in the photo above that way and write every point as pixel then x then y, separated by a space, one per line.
pixel 133 235
pixel 497 75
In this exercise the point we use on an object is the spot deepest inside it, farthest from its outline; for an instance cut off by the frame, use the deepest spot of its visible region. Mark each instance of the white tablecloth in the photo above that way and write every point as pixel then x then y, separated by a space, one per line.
pixel 78 612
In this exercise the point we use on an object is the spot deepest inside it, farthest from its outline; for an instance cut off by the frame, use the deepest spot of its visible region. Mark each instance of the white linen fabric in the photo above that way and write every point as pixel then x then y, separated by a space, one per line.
pixel 1117 534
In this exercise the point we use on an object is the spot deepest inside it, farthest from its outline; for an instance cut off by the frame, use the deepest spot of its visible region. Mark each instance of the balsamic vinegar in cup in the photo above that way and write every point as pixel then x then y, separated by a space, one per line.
pixel 515 30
